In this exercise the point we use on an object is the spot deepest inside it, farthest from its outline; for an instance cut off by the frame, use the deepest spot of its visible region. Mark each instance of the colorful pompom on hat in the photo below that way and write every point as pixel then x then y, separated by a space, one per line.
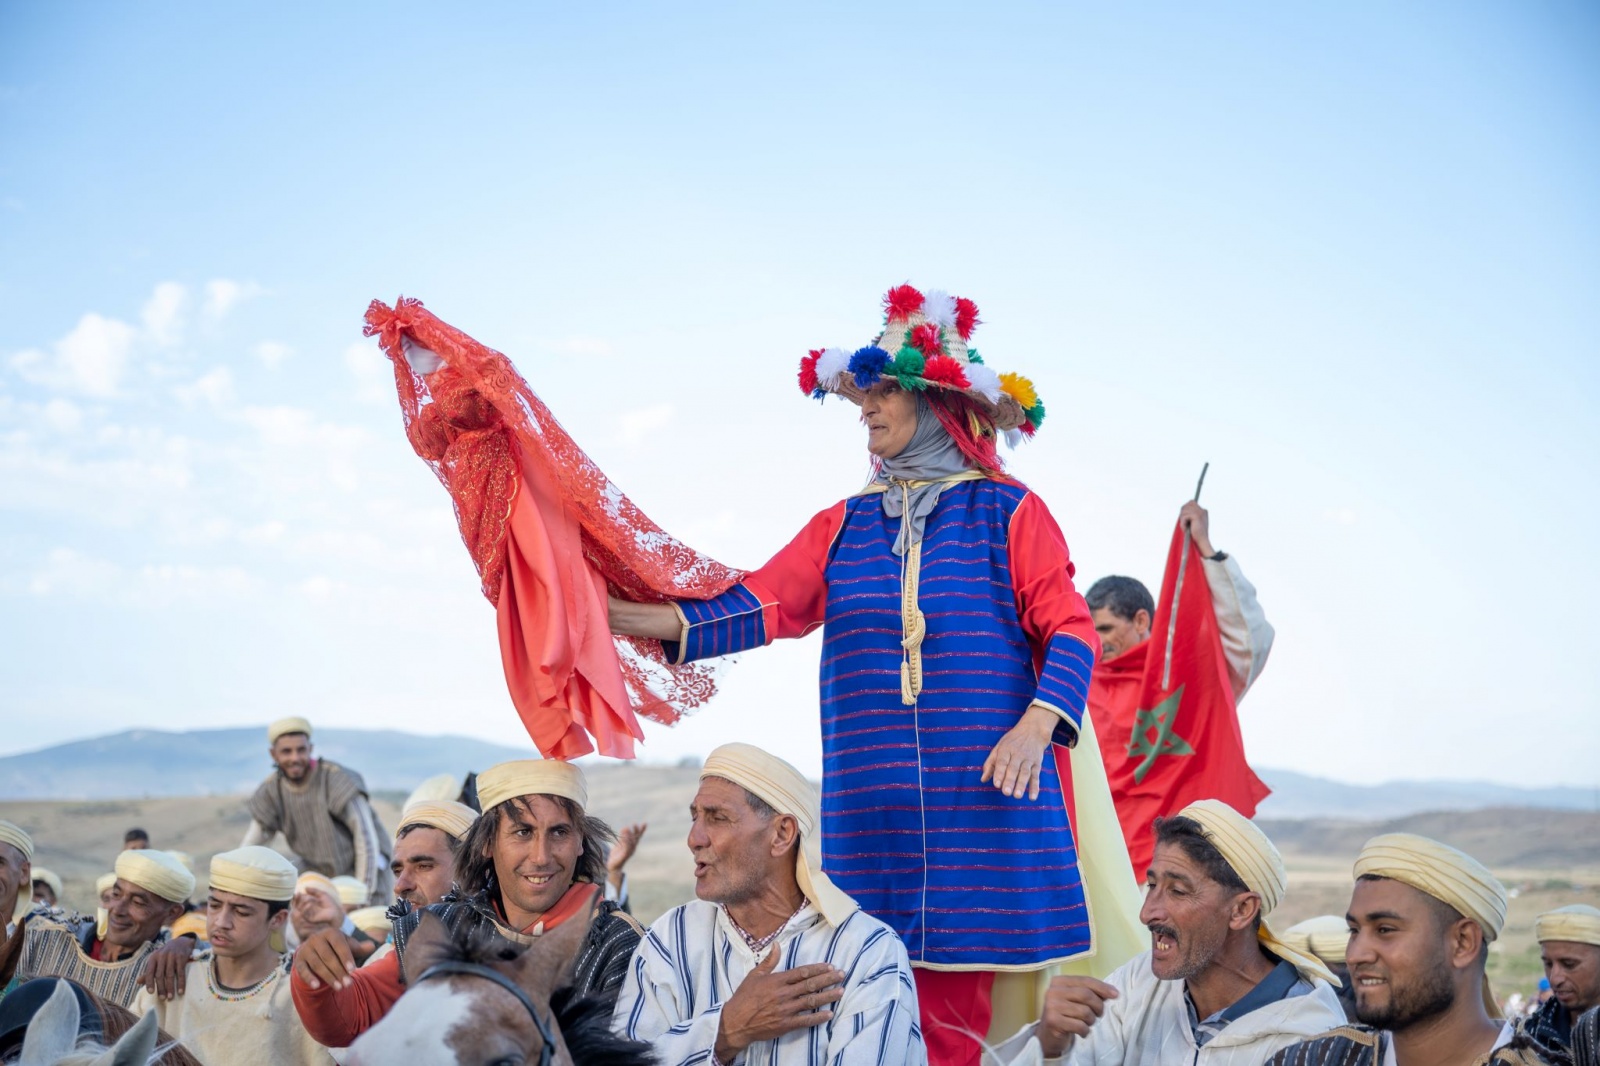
pixel 924 345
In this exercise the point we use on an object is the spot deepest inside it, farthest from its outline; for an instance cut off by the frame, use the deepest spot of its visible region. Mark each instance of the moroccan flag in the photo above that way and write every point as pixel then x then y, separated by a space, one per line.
pixel 1183 743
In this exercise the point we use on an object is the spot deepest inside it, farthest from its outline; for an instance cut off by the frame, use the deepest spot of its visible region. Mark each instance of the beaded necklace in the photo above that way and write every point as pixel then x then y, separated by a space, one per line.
pixel 236 995
pixel 758 945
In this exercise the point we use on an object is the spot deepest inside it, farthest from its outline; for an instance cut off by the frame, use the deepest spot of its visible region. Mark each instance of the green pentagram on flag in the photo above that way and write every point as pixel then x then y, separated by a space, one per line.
pixel 1153 736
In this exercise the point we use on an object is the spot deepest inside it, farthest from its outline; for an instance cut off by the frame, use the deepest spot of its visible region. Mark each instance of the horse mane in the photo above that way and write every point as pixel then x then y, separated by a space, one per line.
pixel 116 1020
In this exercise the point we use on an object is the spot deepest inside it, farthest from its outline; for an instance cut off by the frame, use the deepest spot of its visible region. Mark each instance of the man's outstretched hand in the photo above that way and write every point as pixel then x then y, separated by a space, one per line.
pixel 325 958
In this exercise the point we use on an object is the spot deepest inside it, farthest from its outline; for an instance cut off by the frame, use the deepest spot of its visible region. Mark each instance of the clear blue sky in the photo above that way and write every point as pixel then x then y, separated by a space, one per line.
pixel 1349 254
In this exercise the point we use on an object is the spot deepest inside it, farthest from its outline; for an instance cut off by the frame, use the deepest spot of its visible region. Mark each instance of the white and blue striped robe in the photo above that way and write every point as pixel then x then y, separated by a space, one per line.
pixel 693 959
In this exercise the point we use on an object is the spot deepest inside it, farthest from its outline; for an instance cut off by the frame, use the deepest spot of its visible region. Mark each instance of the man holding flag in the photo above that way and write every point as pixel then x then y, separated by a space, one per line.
pixel 1166 708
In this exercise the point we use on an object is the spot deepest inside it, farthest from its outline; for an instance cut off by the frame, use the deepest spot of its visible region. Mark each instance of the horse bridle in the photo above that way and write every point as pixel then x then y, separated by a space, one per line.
pixel 472 969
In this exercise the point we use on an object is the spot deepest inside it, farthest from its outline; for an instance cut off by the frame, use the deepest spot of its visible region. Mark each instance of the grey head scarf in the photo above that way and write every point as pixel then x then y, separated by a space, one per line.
pixel 931 454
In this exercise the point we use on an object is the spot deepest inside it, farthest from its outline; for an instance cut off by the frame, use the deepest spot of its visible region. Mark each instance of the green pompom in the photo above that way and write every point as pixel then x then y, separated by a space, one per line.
pixel 1036 414
pixel 974 357
pixel 907 367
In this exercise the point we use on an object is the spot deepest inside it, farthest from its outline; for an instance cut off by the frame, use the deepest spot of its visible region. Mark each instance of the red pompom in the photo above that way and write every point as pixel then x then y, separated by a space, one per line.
pixel 944 370
pixel 925 338
pixel 1028 429
pixel 808 372
pixel 966 317
pixel 901 301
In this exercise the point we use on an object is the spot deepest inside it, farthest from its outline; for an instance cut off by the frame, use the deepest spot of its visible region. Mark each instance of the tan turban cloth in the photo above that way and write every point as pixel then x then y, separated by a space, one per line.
pixel 183 857
pixel 352 893
pixel 437 787
pixel 444 815
pixel 1576 924
pixel 102 917
pixel 256 872
pixel 158 872
pixel 284 726
pixel 315 882
pixel 191 924
pixel 13 835
pixel 371 920
pixel 1252 856
pixel 51 878
pixel 1324 936
pixel 1448 875
pixel 531 777
pixel 782 788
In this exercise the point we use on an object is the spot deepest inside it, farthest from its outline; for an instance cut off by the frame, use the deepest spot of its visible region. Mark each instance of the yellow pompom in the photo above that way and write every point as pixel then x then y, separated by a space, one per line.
pixel 1019 389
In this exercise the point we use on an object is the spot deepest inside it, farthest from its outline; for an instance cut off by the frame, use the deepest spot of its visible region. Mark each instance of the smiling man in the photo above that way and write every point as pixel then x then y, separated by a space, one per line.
pixel 149 893
pixel 534 860
pixel 772 963
pixel 322 810
pixel 1421 918
pixel 1569 943
pixel 1217 987
pixel 236 1007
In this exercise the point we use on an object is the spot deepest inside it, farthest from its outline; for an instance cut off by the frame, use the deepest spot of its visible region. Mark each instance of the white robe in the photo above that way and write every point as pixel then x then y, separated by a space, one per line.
pixel 257 1026
pixel 693 959
pixel 1148 1025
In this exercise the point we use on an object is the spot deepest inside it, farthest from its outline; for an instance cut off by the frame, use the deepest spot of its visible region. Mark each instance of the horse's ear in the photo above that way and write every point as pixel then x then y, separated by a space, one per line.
pixel 136 1047
pixel 547 964
pixel 53 1030
pixel 428 943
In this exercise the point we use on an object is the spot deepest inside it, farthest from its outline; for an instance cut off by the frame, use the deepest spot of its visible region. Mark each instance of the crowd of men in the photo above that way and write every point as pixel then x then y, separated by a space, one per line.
pixel 770 963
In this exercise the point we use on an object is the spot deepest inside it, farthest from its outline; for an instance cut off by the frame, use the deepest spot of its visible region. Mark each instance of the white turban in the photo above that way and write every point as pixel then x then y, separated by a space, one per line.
pixel 1448 875
pixel 1577 924
pixel 352 893
pixel 13 835
pixel 285 726
pixel 256 872
pixel 1246 849
pixel 437 787
pixel 371 919
pixel 782 788
pixel 446 816
pixel 531 777
pixel 315 882
pixel 158 872
pixel 103 882
pixel 1325 936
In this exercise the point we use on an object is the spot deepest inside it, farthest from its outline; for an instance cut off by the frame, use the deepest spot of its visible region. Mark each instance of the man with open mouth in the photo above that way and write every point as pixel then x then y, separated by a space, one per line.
pixel 1218 986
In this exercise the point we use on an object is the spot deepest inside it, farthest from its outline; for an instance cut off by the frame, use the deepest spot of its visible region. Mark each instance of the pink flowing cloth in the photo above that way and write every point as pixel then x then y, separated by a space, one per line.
pixel 551 536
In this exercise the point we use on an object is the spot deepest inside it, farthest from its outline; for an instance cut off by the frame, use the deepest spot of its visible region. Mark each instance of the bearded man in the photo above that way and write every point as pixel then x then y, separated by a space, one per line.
pixel 237 1008
pixel 1217 987
pixel 772 963
pixel 1569 944
pixel 149 894
pixel 322 810
pixel 1421 918
pixel 533 861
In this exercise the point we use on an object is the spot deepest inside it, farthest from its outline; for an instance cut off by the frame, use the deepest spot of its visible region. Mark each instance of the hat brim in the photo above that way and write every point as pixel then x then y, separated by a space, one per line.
pixel 1007 414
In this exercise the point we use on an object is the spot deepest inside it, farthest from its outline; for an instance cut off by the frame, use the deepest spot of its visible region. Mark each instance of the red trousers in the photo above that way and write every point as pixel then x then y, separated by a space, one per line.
pixel 955 1010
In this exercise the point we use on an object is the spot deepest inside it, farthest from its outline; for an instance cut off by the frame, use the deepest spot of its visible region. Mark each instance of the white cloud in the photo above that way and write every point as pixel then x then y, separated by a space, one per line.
pixel 223 295
pixel 69 573
pixel 163 313
pixel 63 415
pixel 272 353
pixel 266 533
pixel 214 387
pixel 371 369
pixel 637 425
pixel 1341 516
pixel 91 359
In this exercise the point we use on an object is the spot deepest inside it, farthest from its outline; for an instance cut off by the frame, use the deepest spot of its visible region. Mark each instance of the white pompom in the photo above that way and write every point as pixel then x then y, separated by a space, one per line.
pixel 1013 438
pixel 939 307
pixel 985 381
pixel 422 360
pixel 830 365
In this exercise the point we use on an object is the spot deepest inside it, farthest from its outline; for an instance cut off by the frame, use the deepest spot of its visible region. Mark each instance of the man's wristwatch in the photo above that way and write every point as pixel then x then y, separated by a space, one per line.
pixel 1217 558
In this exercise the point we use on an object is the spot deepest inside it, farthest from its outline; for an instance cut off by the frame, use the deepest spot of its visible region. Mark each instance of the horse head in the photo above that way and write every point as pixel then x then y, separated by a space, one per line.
pixel 53 1038
pixel 480 1001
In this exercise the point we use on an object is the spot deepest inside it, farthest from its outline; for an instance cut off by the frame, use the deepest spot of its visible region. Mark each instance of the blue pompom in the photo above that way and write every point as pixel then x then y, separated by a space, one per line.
pixel 867 366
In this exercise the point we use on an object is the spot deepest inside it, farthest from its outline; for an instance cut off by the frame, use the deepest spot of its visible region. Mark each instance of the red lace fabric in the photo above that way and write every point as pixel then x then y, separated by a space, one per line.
pixel 508 465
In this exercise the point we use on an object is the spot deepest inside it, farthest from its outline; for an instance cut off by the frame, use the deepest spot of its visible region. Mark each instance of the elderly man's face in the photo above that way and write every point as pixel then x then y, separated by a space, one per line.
pixel 732 844
pixel 1118 634
pixel 1573 970
pixel 1398 955
pixel 15 873
pixel 1186 912
pixel 422 866
pixel 136 915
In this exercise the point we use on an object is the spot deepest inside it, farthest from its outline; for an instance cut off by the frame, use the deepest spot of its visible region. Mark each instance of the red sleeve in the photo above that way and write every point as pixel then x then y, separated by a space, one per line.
pixel 335 1017
pixel 1041 577
pixel 791 587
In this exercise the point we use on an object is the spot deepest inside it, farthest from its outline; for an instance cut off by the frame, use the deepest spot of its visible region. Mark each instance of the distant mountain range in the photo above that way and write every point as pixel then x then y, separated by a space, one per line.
pixel 148 762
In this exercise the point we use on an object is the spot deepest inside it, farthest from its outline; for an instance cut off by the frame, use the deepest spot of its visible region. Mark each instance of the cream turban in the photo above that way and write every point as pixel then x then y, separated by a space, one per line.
pixel 315 882
pixel 1325 936
pixel 284 726
pixel 254 871
pixel 183 857
pixel 438 787
pixel 102 916
pixel 352 893
pixel 157 872
pixel 1448 875
pixel 1252 856
pixel 531 777
pixel 51 878
pixel 445 815
pixel 13 835
pixel 1578 923
pixel 103 882
pixel 371 919
pixel 782 788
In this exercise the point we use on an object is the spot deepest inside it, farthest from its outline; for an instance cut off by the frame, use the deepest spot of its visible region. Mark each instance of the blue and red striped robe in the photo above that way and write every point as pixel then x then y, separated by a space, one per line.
pixel 969 878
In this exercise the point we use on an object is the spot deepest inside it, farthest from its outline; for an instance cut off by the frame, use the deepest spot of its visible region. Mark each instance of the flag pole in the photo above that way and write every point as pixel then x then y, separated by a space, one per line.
pixel 1177 589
